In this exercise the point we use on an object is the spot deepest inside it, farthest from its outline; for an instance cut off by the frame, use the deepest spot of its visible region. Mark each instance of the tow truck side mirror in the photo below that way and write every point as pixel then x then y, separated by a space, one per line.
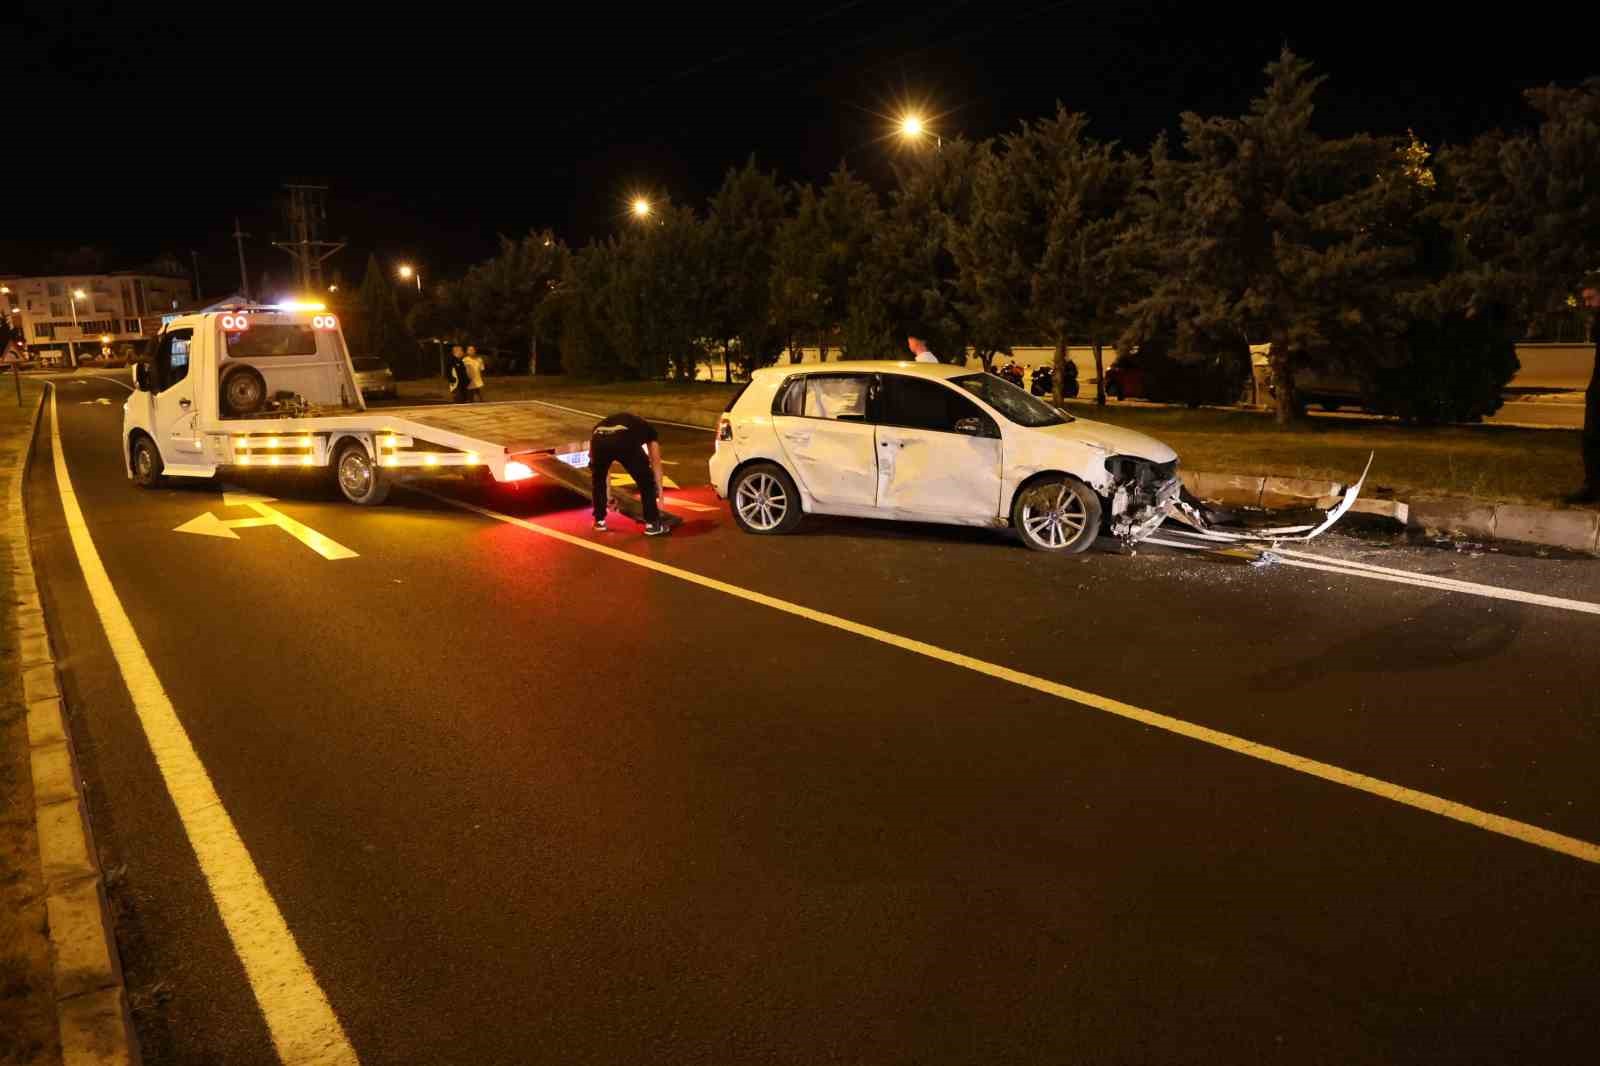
pixel 141 376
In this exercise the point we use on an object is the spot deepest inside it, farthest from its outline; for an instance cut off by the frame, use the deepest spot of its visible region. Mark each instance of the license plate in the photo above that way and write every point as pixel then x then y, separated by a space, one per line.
pixel 577 459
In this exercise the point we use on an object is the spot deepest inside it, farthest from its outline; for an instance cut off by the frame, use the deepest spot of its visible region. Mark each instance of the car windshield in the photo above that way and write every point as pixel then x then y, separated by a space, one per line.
pixel 366 364
pixel 1011 401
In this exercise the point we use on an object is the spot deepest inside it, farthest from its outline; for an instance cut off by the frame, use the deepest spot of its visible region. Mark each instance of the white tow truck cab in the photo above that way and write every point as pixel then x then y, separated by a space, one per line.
pixel 272 387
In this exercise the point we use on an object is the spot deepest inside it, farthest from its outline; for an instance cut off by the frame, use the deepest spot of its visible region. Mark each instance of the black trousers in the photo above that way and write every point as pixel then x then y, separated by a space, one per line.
pixel 601 456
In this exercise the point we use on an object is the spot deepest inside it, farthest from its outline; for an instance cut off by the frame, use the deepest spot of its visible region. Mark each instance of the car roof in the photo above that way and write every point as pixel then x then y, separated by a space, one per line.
pixel 937 371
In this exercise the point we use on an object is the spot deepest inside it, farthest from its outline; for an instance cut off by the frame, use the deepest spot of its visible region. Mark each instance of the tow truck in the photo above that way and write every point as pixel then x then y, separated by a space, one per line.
pixel 248 387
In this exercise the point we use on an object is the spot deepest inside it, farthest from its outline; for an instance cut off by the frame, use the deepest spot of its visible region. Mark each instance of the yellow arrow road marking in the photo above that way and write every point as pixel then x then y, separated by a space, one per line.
pixel 209 525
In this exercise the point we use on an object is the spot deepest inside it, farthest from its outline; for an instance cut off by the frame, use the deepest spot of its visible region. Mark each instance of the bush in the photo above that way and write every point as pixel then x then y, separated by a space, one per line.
pixel 1451 369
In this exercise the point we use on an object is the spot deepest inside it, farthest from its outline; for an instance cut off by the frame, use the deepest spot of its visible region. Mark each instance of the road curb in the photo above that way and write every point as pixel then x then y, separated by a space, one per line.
pixel 1573 529
pixel 91 1006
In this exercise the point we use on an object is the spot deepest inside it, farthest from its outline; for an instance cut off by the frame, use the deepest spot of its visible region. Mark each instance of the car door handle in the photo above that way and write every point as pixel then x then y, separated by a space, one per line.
pixel 183 404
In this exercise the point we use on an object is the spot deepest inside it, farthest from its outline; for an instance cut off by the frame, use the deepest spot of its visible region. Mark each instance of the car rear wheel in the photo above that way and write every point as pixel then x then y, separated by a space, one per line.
pixel 765 500
pixel 361 480
pixel 1056 514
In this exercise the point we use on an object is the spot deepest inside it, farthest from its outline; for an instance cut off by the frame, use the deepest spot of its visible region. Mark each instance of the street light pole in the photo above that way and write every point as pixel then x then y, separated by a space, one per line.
pixel 72 352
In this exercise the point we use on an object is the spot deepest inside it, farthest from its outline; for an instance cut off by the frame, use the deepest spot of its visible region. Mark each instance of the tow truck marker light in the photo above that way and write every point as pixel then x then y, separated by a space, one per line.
pixel 272 442
pixel 431 460
pixel 244 460
pixel 305 442
pixel 472 458
pixel 305 460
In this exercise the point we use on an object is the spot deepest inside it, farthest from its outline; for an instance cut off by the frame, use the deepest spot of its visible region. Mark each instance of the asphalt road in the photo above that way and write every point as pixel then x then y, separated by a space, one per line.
pixel 519 802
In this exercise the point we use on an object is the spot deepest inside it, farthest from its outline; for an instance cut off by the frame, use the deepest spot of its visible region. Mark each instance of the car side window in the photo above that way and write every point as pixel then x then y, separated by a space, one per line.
pixel 913 403
pixel 791 397
pixel 841 397
pixel 172 358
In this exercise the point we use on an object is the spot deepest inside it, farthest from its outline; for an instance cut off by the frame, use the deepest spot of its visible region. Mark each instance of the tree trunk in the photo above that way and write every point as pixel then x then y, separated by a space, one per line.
pixel 1591 425
pixel 727 374
pixel 987 359
pixel 1287 404
pixel 1060 370
pixel 822 349
pixel 1099 373
pixel 533 356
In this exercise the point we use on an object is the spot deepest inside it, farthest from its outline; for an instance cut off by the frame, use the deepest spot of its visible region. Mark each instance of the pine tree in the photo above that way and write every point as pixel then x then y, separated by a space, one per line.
pixel 747 213
pixel 1269 231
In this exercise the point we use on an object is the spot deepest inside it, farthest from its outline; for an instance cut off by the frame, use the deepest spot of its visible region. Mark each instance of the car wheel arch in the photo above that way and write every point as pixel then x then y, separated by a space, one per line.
pixel 1039 475
pixel 134 436
pixel 733 476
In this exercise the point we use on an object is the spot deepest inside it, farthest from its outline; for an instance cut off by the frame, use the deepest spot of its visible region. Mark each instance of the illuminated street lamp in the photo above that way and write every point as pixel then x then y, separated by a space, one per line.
pixel 912 128
pixel 407 273
pixel 641 207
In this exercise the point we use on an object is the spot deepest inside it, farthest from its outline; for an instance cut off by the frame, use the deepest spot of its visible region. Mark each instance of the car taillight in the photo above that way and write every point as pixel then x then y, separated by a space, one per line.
pixel 235 323
pixel 724 428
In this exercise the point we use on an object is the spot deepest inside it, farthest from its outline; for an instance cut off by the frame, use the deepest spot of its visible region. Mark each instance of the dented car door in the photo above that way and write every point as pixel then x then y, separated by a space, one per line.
pixel 825 429
pixel 939 454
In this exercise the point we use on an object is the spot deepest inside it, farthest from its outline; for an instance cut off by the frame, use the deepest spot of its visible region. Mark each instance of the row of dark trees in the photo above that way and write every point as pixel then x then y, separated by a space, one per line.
pixel 1367 254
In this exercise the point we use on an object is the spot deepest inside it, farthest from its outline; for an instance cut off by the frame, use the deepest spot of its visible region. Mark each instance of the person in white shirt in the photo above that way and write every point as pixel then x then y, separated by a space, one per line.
pixel 473 362
pixel 919 348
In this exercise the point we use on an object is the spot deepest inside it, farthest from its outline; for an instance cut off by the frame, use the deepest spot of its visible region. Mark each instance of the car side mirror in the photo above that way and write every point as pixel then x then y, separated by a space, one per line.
pixel 141 377
pixel 973 426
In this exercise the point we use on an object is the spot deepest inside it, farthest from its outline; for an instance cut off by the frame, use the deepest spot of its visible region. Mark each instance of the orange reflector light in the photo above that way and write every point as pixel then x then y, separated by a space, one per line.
pixel 430 460
pixel 244 460
pixel 516 471
pixel 305 460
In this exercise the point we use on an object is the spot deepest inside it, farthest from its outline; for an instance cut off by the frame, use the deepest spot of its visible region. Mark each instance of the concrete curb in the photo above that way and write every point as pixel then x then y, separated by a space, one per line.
pixel 91 1004
pixel 1569 528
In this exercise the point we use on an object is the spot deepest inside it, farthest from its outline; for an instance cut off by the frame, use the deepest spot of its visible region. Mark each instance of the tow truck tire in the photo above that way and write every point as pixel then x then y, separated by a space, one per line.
pixel 146 461
pixel 360 479
pixel 244 391
pixel 1056 513
pixel 764 500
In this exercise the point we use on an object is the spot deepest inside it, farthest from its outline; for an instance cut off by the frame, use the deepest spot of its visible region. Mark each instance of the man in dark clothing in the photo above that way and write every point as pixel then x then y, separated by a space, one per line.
pixel 456 376
pixel 631 441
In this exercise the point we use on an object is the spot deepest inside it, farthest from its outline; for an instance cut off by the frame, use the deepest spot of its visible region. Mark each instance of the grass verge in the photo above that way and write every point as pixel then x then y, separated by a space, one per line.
pixel 1535 466
pixel 27 995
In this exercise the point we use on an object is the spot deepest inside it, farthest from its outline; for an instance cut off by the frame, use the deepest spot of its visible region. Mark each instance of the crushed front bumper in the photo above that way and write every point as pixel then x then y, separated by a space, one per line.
pixel 1142 494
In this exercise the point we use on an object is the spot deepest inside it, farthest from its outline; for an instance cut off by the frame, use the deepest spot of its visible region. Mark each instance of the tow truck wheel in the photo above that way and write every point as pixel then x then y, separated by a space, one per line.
pixel 244 391
pixel 765 499
pixel 1056 514
pixel 147 464
pixel 360 479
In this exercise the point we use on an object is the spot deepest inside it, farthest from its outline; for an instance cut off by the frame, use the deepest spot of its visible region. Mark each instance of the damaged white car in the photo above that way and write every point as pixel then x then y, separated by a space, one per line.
pixel 928 442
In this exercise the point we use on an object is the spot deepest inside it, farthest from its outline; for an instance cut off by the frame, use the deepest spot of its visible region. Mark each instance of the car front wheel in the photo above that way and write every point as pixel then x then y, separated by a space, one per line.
pixel 1056 514
pixel 764 499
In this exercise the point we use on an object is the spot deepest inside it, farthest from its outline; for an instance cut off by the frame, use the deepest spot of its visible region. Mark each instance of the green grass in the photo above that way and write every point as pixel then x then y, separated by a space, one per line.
pixel 1537 466
pixel 27 1010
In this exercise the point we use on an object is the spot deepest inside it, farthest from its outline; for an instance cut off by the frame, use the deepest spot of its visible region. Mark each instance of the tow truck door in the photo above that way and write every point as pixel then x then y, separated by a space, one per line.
pixel 173 406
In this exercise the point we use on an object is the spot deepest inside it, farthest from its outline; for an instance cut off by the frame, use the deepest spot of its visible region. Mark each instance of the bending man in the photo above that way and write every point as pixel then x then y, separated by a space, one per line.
pixel 631 441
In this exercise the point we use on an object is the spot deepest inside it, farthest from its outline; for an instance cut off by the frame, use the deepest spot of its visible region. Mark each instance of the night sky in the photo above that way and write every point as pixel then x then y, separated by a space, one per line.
pixel 141 128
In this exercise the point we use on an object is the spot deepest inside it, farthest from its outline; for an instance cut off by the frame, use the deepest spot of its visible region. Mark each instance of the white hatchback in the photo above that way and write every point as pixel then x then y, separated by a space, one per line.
pixel 929 442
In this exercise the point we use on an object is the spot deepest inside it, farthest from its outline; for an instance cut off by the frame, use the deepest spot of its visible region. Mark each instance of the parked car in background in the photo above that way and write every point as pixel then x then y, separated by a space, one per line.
pixel 373 376
pixel 1218 375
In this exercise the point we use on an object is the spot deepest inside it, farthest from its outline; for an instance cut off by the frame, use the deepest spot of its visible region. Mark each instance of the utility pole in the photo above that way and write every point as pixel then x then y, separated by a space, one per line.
pixel 194 257
pixel 307 210
pixel 244 276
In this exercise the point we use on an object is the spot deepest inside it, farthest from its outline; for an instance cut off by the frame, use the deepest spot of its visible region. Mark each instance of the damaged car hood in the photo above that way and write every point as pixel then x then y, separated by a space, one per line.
pixel 1115 440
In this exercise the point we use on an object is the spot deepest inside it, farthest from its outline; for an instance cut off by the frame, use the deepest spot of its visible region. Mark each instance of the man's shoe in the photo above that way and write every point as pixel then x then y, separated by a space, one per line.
pixel 600 526
pixel 657 529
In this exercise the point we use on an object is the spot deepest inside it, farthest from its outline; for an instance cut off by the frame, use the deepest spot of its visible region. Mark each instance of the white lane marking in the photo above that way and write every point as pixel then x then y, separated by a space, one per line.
pixel 1352 568
pixel 209 525
pixel 1410 797
pixel 116 381
pixel 591 414
pixel 302 1024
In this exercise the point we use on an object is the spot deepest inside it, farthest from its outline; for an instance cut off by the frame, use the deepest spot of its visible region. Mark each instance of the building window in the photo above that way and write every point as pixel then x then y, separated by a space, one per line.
pixel 45 331
pixel 132 325
pixel 54 287
pixel 58 309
